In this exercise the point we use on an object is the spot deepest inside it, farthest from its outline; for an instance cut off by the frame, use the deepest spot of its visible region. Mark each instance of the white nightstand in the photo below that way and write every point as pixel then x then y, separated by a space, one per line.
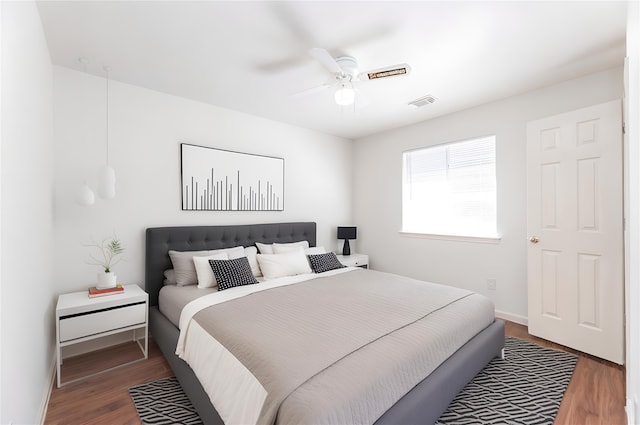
pixel 80 318
pixel 354 260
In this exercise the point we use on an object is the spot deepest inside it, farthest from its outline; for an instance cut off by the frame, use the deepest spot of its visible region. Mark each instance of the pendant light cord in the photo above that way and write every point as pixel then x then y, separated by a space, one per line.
pixel 107 69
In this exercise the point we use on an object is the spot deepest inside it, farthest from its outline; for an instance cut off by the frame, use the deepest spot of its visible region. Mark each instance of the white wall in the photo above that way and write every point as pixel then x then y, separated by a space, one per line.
pixel 27 216
pixel 146 128
pixel 378 191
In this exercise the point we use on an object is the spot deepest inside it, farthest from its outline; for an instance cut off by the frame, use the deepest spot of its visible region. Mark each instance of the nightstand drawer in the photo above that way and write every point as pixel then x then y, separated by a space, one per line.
pixel 358 262
pixel 94 322
pixel 354 260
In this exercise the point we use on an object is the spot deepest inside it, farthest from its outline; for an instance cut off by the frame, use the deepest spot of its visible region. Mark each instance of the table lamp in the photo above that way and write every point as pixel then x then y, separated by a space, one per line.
pixel 346 233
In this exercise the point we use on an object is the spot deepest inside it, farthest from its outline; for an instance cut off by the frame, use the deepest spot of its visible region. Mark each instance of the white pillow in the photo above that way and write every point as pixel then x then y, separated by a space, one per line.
pixel 279 248
pixel 287 264
pixel 265 248
pixel 206 278
pixel 233 253
pixel 315 250
pixel 251 252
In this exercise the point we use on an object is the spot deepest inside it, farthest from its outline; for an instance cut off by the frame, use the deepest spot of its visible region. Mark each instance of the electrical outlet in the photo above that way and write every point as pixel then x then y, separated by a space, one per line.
pixel 491 284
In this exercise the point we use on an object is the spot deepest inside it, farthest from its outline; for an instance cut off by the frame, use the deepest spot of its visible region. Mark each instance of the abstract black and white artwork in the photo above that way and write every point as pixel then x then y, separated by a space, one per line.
pixel 222 180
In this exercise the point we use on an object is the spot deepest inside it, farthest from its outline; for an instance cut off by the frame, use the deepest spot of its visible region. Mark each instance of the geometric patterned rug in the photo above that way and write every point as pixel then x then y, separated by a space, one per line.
pixel 525 388
pixel 163 402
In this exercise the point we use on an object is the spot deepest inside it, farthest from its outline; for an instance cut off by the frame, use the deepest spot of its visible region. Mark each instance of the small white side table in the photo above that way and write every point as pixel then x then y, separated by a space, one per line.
pixel 354 260
pixel 80 318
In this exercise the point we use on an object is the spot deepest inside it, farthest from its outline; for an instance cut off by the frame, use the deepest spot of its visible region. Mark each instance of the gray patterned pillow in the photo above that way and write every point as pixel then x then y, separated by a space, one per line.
pixel 324 262
pixel 230 273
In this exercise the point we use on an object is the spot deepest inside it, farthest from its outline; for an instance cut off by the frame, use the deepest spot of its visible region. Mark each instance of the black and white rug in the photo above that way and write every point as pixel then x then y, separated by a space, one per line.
pixel 163 402
pixel 524 388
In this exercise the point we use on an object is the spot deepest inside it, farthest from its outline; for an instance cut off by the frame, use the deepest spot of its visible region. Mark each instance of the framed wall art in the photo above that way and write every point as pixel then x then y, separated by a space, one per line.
pixel 222 180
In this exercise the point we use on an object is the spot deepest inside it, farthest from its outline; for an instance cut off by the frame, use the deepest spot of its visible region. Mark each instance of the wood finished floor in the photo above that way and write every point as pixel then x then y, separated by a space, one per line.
pixel 104 399
pixel 595 394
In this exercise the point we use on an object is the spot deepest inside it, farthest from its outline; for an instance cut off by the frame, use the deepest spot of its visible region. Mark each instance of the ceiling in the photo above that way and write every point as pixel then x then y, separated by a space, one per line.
pixel 254 57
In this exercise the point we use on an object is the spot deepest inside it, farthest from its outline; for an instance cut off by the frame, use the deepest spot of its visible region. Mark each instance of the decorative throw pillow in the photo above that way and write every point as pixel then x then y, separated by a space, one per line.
pixel 288 264
pixel 231 273
pixel 324 262
pixel 206 278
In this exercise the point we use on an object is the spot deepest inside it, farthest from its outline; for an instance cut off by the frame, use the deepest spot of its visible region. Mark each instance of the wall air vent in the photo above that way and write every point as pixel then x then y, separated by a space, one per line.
pixel 422 101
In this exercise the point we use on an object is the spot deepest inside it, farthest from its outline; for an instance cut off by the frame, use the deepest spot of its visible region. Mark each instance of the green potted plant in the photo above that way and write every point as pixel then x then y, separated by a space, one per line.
pixel 109 254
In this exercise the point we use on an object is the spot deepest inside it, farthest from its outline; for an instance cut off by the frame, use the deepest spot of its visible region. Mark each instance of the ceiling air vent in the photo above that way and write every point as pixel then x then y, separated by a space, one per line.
pixel 424 100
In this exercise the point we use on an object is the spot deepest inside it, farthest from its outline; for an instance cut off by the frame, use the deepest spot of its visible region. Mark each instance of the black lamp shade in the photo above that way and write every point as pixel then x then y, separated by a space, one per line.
pixel 347 232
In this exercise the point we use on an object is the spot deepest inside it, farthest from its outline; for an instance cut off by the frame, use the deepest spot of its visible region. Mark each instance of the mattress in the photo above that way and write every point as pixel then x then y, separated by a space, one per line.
pixel 357 385
pixel 173 298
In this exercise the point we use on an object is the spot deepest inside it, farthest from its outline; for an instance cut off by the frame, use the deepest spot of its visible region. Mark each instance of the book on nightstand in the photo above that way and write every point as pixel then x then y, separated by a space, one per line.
pixel 95 292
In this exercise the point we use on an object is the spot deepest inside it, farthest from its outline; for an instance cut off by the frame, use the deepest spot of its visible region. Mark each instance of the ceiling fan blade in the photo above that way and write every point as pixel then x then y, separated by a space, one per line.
pixel 389 71
pixel 322 56
pixel 311 90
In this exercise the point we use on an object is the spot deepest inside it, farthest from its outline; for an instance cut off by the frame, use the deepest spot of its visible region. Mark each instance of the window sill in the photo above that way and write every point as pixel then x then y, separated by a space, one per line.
pixel 474 239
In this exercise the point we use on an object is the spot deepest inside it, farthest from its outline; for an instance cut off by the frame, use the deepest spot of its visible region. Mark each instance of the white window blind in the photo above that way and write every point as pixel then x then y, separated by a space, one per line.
pixel 451 189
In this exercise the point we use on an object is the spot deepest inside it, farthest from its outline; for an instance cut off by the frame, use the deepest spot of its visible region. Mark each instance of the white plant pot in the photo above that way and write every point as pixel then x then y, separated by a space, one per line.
pixel 106 280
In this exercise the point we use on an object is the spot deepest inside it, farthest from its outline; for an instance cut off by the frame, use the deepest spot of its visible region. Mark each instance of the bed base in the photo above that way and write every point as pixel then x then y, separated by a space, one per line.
pixel 165 334
pixel 426 402
pixel 422 405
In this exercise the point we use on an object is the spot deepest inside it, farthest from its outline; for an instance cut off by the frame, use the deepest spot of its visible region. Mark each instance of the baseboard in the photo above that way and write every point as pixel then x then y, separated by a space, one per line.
pixel 516 318
pixel 47 392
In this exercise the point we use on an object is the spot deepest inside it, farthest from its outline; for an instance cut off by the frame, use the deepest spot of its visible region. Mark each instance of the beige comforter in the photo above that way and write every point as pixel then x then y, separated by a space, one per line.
pixel 343 348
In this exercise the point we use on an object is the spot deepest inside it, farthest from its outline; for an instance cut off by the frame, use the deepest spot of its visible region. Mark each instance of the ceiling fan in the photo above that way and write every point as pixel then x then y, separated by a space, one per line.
pixel 345 72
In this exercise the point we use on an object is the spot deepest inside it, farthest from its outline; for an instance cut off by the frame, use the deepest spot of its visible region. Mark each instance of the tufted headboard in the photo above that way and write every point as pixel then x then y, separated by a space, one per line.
pixel 194 238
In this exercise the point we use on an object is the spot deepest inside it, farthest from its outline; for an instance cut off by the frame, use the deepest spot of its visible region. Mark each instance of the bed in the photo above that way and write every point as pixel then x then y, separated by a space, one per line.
pixel 423 403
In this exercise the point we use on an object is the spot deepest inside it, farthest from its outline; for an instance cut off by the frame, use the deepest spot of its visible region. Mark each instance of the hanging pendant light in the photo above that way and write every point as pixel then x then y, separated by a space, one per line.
pixel 85 196
pixel 107 185
pixel 107 178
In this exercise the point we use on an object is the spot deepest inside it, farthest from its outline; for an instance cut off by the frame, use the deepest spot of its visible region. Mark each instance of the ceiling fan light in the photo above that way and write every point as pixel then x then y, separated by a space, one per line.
pixel 345 95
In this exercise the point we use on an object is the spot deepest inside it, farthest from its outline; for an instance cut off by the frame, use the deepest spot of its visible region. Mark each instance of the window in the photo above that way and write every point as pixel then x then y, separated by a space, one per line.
pixel 451 189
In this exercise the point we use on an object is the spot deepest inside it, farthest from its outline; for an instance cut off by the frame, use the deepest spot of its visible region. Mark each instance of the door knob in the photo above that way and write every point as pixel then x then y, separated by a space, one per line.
pixel 534 239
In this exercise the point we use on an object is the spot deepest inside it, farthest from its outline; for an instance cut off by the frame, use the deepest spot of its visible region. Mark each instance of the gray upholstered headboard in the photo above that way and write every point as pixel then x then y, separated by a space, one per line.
pixel 194 238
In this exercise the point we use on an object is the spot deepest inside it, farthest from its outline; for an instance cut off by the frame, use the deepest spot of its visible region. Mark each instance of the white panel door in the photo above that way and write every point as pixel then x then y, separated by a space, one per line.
pixel 575 230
